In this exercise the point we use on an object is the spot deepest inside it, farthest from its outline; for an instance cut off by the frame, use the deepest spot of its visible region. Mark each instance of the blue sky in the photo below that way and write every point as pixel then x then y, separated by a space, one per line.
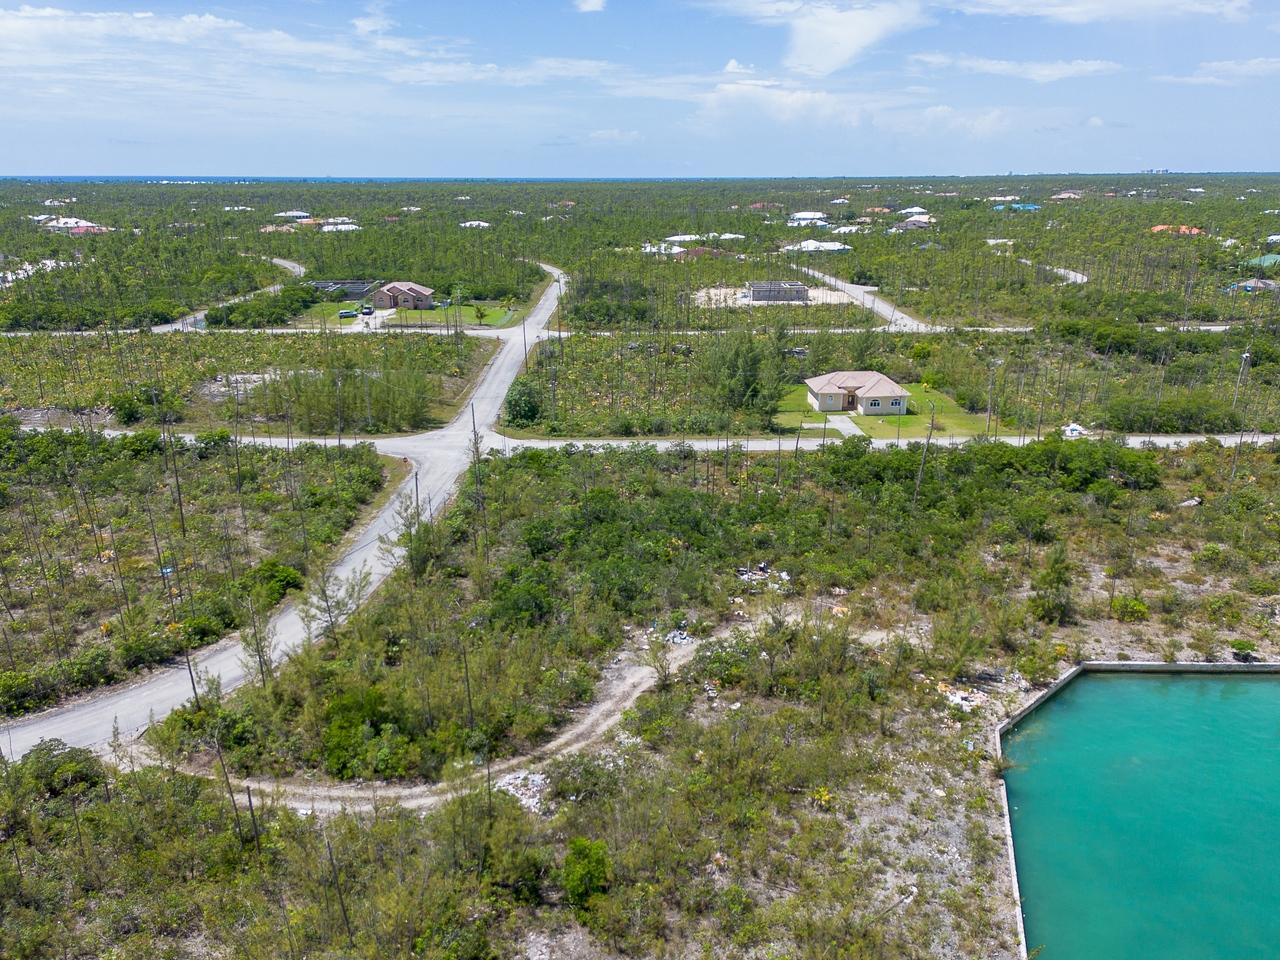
pixel 627 88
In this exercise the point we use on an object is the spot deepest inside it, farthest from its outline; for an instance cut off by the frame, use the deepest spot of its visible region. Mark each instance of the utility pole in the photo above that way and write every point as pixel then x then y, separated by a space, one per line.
pixel 1244 370
pixel 924 454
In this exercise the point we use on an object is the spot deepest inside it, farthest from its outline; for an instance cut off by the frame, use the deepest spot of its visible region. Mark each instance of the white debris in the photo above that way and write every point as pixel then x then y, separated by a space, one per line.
pixel 528 787
pixel 763 575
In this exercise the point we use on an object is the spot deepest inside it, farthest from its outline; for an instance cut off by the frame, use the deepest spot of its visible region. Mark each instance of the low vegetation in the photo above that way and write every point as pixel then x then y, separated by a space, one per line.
pixel 120 553
pixel 303 383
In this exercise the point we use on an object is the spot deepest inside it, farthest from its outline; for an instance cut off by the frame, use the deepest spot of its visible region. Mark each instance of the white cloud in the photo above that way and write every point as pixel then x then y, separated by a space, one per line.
pixel 980 123
pixel 374 21
pixel 1039 71
pixel 589 6
pixel 541 70
pixel 827 35
pixel 615 136
pixel 1089 11
pixel 1226 73
pixel 733 66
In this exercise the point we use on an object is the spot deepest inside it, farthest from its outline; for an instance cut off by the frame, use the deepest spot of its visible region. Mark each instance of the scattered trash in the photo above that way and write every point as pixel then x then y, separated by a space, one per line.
pixel 966 700
pixel 528 787
pixel 762 574
pixel 1193 502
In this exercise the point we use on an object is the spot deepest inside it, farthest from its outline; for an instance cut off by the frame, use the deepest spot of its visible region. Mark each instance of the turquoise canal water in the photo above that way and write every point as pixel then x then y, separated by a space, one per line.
pixel 1146 818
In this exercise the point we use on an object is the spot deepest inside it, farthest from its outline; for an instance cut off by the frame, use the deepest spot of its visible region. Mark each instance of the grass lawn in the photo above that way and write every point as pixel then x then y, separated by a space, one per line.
pixel 322 315
pixel 495 316
pixel 950 418
pixel 794 409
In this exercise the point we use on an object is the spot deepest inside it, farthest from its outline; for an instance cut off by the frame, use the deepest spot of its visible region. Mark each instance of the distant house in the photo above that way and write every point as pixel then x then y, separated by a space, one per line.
pixel 474 225
pixel 697 253
pixel 1254 285
pixel 352 289
pixel 403 295
pixel 807 218
pixel 1068 195
pixel 67 224
pixel 293 214
pixel 339 227
pixel 1181 230
pixel 662 248
pixel 913 211
pixel 864 391
pixel 777 291
pixel 817 246
pixel 764 205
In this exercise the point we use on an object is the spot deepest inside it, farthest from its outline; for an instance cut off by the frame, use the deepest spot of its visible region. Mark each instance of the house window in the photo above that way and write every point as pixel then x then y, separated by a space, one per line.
pixel 874 403
pixel 895 403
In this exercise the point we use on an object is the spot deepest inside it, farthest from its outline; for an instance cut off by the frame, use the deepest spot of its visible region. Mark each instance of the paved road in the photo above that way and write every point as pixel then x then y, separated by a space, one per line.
pixel 896 319
pixel 496 441
pixel 192 321
pixel 438 457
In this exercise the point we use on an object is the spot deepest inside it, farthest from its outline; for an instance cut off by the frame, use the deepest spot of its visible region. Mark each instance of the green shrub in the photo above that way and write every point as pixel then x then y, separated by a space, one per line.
pixel 1129 609
pixel 587 871
pixel 18 691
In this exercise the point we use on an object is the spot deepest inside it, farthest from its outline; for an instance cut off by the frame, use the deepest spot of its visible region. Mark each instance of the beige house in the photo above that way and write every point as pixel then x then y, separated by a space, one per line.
pixel 864 392
pixel 403 295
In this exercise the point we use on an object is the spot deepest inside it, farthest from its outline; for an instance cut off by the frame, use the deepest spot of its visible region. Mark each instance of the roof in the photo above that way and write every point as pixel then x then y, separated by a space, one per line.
pixel 1181 229
pixel 858 382
pixel 814 246
pixel 1266 260
pixel 776 285
pixel 406 286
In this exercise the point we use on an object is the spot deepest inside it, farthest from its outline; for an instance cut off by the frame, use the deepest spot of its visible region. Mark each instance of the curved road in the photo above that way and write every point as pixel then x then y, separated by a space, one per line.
pixel 438 458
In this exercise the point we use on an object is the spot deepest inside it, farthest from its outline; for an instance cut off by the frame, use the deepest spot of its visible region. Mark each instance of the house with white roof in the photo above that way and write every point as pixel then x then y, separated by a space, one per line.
pixel 67 224
pixel 913 211
pixel 807 218
pixel 669 248
pixel 864 392
pixel 474 225
pixel 816 246
pixel 293 214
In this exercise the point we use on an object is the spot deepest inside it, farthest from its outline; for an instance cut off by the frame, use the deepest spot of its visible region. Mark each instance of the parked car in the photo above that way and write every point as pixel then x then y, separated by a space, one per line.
pixel 367 310
pixel 347 314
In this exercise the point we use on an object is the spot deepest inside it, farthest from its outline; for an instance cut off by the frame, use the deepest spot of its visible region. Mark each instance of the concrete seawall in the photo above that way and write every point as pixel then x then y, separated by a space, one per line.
pixel 1090 666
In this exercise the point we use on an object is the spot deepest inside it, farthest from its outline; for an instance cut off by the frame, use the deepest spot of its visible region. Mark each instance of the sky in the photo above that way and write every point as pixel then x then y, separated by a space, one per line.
pixel 625 88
